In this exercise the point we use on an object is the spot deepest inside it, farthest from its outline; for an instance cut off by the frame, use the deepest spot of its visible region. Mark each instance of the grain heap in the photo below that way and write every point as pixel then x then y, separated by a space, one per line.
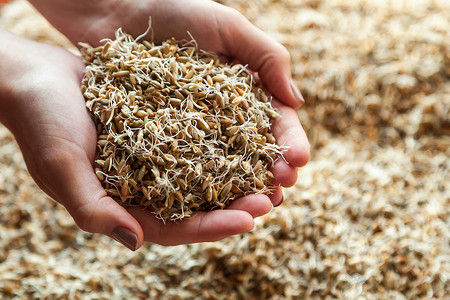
pixel 178 131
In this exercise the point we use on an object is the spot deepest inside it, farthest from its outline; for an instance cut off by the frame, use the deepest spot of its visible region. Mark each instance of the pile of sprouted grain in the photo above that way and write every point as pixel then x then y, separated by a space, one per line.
pixel 178 131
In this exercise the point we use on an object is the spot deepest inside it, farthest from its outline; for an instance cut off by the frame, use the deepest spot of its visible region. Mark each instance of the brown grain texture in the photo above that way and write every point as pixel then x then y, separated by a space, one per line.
pixel 368 218
pixel 178 131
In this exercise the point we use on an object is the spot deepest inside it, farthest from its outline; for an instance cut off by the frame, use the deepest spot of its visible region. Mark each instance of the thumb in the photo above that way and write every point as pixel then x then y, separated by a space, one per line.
pixel 77 188
pixel 249 45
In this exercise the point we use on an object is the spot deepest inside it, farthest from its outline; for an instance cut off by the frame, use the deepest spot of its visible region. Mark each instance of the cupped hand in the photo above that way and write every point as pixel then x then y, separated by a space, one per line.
pixel 58 138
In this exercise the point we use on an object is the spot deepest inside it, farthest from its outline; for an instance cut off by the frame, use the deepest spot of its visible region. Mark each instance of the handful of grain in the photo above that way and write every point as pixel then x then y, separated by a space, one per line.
pixel 178 131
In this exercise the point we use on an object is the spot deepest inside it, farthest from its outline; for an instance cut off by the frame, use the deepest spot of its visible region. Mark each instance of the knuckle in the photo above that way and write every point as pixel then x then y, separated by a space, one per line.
pixel 284 54
pixel 87 215
pixel 230 20
pixel 232 13
pixel 306 155
pixel 278 57
pixel 84 217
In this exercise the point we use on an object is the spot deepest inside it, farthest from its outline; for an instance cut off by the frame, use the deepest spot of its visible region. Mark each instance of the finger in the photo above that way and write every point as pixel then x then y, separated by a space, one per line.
pixel 78 189
pixel 262 54
pixel 289 132
pixel 202 227
pixel 277 196
pixel 255 204
pixel 284 174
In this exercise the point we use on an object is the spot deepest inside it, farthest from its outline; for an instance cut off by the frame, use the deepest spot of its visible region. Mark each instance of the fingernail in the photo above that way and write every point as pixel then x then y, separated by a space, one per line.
pixel 125 237
pixel 295 91
pixel 270 209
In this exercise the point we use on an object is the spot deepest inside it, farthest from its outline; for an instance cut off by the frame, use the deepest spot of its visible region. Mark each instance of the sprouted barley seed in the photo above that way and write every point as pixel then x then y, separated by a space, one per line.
pixel 178 131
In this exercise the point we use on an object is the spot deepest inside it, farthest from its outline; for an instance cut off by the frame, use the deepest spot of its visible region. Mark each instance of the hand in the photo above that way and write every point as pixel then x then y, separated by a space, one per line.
pixel 58 138
pixel 43 107
pixel 216 28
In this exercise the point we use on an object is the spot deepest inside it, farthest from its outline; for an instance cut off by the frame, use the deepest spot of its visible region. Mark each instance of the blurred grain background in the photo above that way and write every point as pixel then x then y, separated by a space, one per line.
pixel 369 217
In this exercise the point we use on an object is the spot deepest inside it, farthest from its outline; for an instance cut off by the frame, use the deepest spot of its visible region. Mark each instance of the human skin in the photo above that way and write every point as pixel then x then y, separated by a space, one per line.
pixel 43 107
